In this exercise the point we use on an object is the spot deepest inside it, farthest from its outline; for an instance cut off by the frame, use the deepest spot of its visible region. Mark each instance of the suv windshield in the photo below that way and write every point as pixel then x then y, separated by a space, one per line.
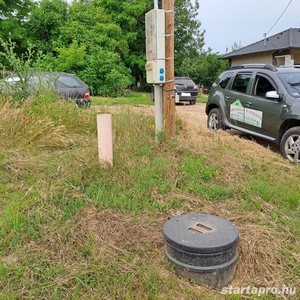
pixel 291 81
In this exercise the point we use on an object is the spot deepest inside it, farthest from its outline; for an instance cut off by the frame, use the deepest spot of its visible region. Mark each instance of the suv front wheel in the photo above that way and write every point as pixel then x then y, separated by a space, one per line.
pixel 290 145
pixel 215 119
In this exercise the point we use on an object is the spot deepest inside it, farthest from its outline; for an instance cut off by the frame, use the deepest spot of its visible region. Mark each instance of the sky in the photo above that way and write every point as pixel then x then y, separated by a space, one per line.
pixel 244 22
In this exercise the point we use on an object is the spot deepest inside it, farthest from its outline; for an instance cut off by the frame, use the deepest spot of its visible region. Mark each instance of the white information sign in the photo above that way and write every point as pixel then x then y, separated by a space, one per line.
pixel 245 115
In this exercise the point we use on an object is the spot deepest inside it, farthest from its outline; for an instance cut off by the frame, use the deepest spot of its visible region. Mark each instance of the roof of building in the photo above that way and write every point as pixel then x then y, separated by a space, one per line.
pixel 287 39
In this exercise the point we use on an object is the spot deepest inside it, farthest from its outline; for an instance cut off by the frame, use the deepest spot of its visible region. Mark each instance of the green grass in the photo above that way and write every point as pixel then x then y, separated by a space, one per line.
pixel 133 98
pixel 72 228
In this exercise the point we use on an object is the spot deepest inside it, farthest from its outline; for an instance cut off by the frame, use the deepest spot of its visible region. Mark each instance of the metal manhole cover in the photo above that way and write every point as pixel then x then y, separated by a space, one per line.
pixel 200 233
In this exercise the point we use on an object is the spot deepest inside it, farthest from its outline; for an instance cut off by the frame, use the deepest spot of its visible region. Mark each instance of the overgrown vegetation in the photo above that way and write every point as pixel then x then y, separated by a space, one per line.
pixel 72 228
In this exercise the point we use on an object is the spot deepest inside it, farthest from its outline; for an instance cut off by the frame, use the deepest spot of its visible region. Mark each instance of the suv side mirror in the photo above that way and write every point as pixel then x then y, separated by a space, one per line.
pixel 272 95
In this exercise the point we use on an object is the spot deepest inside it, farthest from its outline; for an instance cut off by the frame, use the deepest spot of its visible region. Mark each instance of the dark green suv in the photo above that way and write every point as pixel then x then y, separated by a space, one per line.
pixel 261 100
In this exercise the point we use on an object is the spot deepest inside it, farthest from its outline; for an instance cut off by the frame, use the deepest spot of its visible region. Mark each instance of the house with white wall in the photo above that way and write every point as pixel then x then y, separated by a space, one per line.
pixel 282 48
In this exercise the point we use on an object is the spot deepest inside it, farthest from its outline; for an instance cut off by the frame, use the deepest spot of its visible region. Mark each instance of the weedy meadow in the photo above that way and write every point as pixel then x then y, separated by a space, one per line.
pixel 73 228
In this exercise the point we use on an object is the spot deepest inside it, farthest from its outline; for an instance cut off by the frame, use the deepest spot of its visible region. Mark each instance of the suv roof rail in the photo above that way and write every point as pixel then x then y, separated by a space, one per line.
pixel 255 66
pixel 289 66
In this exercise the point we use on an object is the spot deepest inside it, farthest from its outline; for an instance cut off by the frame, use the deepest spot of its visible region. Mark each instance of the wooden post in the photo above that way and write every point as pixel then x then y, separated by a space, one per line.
pixel 168 86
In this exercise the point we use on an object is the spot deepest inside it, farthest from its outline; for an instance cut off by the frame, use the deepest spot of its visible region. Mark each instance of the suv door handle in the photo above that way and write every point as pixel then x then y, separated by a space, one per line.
pixel 248 103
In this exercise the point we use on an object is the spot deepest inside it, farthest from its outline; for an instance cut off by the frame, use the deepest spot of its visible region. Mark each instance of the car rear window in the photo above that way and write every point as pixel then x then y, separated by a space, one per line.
pixel 69 81
pixel 184 80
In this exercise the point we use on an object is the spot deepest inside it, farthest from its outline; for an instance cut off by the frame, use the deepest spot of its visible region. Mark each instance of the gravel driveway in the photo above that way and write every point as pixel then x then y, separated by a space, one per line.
pixel 193 114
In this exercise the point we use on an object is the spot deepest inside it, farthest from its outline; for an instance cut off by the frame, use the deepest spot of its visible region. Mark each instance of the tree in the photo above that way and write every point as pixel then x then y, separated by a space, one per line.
pixel 188 37
pixel 204 69
pixel 236 46
pixel 13 16
pixel 130 16
pixel 90 45
pixel 90 25
pixel 45 22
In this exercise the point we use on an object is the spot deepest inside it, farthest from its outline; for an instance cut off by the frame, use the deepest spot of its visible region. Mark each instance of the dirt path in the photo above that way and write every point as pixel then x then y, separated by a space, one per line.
pixel 193 114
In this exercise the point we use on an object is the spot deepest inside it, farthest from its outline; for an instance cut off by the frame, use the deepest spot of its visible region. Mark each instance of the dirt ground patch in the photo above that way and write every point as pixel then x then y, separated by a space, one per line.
pixel 194 115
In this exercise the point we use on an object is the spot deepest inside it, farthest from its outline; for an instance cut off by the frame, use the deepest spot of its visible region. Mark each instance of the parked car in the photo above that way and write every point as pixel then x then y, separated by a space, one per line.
pixel 67 86
pixel 185 88
pixel 261 100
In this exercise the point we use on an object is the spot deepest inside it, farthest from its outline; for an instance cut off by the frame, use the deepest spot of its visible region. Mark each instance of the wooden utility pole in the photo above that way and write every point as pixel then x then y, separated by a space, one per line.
pixel 168 86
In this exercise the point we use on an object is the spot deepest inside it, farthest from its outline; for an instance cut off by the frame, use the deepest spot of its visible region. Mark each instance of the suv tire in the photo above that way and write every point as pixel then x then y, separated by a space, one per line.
pixel 290 145
pixel 215 120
